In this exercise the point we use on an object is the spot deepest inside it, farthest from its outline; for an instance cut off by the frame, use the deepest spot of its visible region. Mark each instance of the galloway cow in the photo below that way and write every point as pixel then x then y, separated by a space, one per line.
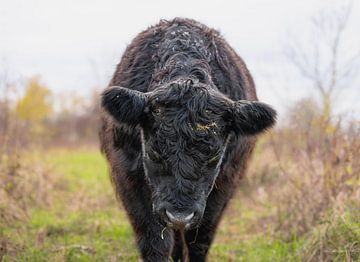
pixel 178 125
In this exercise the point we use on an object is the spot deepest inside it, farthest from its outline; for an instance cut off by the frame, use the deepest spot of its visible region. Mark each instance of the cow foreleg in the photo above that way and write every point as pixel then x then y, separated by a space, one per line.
pixel 178 249
pixel 155 242
pixel 199 240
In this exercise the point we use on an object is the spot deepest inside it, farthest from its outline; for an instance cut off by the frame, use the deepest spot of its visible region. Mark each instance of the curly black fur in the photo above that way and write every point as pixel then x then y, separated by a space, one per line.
pixel 178 118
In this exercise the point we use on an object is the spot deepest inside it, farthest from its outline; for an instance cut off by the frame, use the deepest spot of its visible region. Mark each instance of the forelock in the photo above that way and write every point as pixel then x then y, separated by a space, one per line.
pixel 187 125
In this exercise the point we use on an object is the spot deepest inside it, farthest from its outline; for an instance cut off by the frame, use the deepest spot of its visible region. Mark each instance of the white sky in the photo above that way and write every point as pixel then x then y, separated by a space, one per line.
pixel 75 45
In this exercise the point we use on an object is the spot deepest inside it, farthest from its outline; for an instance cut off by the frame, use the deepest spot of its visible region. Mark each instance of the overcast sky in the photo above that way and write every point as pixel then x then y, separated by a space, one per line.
pixel 75 45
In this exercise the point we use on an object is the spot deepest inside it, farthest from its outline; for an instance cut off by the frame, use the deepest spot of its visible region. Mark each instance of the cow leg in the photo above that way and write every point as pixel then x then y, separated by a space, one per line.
pixel 199 239
pixel 152 246
pixel 177 252
pixel 155 244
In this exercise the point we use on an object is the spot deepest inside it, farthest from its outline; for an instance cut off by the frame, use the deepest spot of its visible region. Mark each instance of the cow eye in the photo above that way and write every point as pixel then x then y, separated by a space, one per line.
pixel 154 156
pixel 213 161
pixel 157 111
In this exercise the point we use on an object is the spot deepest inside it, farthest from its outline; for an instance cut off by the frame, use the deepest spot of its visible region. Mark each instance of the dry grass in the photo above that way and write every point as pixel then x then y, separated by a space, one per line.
pixel 304 184
pixel 336 239
pixel 321 170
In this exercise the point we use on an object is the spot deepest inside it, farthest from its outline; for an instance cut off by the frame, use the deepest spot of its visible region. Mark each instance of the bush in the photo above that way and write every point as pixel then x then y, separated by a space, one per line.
pixel 306 170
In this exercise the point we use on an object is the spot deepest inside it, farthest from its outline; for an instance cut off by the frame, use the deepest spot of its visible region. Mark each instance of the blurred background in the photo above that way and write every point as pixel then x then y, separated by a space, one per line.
pixel 300 200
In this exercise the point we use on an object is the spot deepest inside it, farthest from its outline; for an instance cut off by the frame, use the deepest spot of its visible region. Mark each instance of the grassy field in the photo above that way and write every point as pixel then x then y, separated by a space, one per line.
pixel 82 221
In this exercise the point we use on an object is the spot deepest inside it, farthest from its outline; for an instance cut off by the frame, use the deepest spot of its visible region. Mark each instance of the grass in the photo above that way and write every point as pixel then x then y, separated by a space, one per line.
pixel 84 222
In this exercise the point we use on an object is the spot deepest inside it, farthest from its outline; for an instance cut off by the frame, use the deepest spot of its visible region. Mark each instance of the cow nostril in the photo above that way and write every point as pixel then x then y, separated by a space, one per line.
pixel 189 217
pixel 170 216
pixel 179 219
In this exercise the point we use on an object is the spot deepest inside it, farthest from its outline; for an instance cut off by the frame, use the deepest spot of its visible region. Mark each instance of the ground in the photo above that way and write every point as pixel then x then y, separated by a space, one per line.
pixel 84 222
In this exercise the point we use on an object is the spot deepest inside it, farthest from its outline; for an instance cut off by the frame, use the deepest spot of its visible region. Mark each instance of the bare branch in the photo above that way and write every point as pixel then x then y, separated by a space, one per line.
pixel 318 59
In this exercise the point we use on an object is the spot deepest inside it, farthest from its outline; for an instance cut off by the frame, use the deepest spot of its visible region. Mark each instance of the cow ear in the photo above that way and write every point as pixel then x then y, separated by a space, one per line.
pixel 125 105
pixel 250 117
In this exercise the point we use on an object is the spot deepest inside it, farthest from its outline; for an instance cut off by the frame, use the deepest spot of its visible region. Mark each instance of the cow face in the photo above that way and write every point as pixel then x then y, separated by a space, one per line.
pixel 186 128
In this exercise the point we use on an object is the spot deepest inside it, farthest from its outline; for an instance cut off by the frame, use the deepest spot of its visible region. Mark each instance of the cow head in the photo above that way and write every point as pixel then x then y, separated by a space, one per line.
pixel 186 127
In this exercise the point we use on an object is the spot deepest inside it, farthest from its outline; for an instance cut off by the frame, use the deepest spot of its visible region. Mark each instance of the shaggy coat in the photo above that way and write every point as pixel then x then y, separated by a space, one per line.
pixel 177 127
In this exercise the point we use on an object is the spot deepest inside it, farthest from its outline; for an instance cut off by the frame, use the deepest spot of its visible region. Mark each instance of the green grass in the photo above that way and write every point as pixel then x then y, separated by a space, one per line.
pixel 85 223
pixel 256 249
pixel 84 168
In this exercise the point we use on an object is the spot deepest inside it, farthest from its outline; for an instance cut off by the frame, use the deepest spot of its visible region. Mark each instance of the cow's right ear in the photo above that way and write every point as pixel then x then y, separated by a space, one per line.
pixel 124 104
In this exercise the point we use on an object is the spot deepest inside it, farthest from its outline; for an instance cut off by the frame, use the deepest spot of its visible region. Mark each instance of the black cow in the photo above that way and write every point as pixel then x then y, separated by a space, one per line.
pixel 178 121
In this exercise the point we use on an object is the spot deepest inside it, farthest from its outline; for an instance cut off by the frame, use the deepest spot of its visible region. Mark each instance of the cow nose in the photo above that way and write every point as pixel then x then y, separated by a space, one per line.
pixel 179 220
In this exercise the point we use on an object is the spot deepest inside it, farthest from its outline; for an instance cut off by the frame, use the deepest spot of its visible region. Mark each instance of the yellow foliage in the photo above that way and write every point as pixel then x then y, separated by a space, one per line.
pixel 349 169
pixel 35 105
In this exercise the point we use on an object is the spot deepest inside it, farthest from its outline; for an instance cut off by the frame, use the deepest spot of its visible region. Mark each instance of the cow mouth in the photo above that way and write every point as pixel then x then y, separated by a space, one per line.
pixel 179 227
pixel 183 227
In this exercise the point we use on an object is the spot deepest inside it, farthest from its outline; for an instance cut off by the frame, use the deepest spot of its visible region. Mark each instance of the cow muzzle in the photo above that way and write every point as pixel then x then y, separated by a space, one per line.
pixel 179 218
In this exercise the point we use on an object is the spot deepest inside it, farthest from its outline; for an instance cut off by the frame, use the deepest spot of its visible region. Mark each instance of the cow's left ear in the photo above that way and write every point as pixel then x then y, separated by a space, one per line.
pixel 125 105
pixel 250 117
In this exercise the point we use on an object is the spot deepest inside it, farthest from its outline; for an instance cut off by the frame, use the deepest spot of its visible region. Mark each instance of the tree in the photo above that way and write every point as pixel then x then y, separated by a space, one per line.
pixel 34 108
pixel 322 59
pixel 35 105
